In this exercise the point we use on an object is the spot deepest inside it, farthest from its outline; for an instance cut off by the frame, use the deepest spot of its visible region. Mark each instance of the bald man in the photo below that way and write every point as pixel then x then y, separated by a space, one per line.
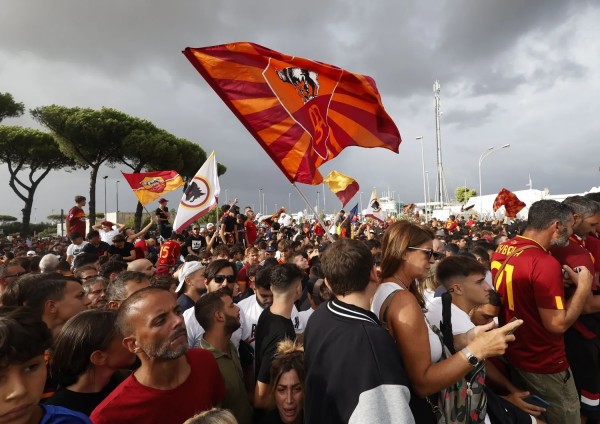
pixel 152 327
pixel 142 265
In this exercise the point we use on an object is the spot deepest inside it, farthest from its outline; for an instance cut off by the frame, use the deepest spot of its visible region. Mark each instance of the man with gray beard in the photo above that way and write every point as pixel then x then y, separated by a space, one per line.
pixel 173 383
pixel 530 282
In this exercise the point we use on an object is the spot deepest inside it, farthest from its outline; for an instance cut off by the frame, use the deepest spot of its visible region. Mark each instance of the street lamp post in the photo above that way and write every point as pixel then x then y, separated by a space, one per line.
pixel 428 192
pixel 484 155
pixel 104 178
pixel 318 192
pixel 361 205
pixel 117 185
pixel 424 181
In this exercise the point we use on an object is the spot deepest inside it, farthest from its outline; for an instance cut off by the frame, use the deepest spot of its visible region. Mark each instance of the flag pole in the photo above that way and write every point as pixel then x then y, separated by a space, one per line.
pixel 313 211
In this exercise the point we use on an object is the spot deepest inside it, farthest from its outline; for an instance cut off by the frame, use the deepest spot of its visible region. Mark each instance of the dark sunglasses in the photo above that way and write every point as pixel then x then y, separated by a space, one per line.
pixel 220 278
pixel 18 274
pixel 429 252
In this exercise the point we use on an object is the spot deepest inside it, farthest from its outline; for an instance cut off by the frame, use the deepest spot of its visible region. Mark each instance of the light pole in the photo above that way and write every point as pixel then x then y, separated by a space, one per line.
pixel 318 192
pixel 428 192
pixel 226 198
pixel 260 201
pixel 424 181
pixel 104 178
pixel 290 202
pixel 484 155
pixel 117 185
pixel 361 205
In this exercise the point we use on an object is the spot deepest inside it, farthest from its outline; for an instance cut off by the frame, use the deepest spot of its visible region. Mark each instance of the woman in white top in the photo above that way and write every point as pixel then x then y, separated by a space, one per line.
pixel 407 256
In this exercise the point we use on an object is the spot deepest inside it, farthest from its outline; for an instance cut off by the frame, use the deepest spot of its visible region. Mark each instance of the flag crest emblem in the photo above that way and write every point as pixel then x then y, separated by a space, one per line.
pixel 197 193
pixel 302 112
pixel 154 184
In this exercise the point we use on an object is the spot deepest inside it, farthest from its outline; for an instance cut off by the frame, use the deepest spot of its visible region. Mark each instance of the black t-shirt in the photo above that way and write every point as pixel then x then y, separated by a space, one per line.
pixel 185 302
pixel 195 243
pixel 99 250
pixel 230 223
pixel 271 417
pixel 123 251
pixel 270 330
pixel 83 402
pixel 162 216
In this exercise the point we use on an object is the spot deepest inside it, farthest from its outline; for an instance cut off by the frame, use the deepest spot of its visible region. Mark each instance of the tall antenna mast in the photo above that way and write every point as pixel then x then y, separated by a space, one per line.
pixel 441 183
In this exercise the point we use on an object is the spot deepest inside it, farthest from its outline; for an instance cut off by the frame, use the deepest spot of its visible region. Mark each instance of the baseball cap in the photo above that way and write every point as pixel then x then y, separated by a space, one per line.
pixel 31 253
pixel 188 268
pixel 440 233
pixel 162 200
pixel 194 227
pixel 210 225
pixel 271 249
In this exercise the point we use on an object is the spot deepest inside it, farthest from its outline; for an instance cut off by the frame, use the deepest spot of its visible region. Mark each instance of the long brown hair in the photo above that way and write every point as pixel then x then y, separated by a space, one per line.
pixel 396 240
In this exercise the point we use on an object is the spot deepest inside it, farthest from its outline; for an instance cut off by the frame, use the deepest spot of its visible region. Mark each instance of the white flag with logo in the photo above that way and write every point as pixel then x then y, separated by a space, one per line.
pixel 374 209
pixel 200 196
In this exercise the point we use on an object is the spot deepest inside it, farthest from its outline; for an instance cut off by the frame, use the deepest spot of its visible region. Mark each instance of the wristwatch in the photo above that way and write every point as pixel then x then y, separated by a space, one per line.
pixel 471 359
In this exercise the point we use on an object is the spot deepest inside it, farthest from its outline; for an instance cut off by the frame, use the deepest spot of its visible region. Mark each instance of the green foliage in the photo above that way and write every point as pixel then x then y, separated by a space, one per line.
pixel 30 155
pixel 7 218
pixel 463 194
pixel 212 216
pixel 9 108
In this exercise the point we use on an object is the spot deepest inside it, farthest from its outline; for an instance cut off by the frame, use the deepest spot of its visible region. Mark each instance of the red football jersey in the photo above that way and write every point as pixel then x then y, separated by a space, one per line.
pixel 169 252
pixel 532 279
pixel 592 244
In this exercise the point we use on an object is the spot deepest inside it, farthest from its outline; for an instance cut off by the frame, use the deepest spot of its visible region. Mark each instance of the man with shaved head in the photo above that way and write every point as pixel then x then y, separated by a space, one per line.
pixel 142 265
pixel 173 383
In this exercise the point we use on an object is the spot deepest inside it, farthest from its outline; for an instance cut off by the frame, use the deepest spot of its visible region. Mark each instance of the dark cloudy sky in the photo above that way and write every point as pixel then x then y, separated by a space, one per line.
pixel 524 73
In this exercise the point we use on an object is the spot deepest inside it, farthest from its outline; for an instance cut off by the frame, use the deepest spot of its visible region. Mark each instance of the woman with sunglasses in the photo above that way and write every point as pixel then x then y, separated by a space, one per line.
pixel 407 257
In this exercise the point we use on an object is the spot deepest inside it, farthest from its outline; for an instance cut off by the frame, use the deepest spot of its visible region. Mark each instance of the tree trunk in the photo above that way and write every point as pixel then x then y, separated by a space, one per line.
pixel 27 212
pixel 137 220
pixel 92 200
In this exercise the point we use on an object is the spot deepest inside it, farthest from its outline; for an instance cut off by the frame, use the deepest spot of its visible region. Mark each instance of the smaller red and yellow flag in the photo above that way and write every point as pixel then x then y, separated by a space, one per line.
pixel 510 201
pixel 149 186
pixel 343 186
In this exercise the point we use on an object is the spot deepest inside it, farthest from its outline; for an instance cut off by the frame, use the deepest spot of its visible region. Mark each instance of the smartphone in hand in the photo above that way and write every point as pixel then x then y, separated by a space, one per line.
pixel 537 401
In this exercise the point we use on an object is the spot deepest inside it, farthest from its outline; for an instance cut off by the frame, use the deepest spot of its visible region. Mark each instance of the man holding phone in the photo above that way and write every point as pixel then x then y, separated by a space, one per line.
pixel 529 281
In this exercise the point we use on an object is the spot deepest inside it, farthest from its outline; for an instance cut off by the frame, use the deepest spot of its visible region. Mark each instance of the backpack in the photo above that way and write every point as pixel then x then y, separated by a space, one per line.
pixel 464 402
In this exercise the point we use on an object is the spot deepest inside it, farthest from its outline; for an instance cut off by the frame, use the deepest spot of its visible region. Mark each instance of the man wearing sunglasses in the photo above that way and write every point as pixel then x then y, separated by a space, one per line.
pixel 220 273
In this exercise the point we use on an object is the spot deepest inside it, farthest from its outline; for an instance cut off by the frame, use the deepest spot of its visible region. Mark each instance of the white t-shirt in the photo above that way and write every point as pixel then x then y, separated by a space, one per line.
pixel 304 316
pixel 195 330
pixel 461 323
pixel 252 311
pixel 75 249
pixel 107 236
pixel 383 291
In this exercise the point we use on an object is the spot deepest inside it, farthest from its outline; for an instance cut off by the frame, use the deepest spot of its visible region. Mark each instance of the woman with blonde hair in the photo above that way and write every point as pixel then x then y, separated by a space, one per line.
pixel 213 416
pixel 287 382
pixel 407 257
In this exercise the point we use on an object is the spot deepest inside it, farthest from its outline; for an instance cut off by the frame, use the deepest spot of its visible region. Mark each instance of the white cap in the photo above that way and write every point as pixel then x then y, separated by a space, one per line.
pixel 188 268
pixel 31 253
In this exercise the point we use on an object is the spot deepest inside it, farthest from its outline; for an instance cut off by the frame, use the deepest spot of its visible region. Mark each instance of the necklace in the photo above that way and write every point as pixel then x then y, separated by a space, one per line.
pixel 402 283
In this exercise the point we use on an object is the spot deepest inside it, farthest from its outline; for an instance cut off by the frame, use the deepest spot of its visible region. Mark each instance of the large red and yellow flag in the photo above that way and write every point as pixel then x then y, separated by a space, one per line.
pixel 510 201
pixel 149 186
pixel 343 186
pixel 302 112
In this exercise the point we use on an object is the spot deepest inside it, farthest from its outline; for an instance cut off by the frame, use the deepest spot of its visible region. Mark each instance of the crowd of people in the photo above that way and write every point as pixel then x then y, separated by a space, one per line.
pixel 276 321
